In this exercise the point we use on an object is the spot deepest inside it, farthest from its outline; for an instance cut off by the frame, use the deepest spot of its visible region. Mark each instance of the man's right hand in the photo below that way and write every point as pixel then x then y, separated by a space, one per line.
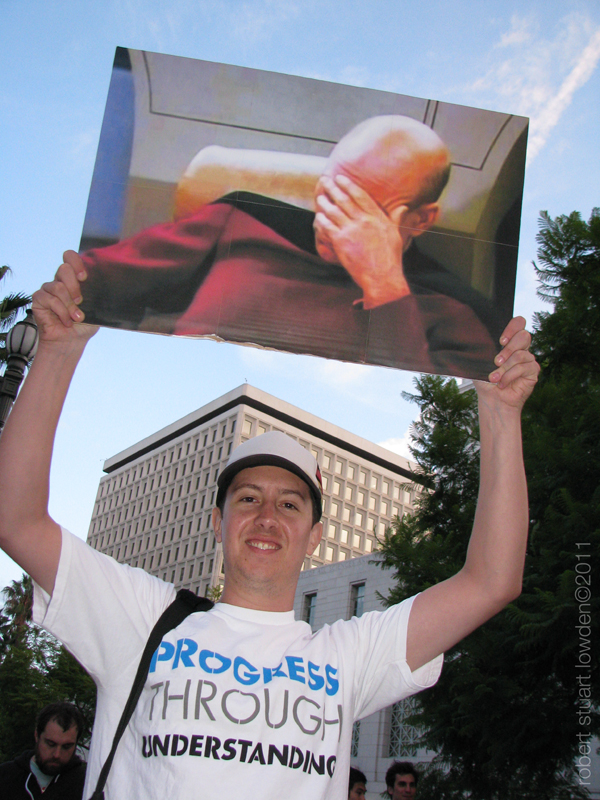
pixel 353 230
pixel 55 305
pixel 27 532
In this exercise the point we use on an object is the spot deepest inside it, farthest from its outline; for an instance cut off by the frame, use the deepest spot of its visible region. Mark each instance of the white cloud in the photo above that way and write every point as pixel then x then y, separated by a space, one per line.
pixel 537 76
pixel 398 444
pixel 543 123
pixel 520 31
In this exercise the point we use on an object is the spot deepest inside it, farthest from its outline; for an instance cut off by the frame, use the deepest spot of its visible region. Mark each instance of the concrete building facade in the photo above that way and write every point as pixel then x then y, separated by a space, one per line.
pixel 341 591
pixel 153 508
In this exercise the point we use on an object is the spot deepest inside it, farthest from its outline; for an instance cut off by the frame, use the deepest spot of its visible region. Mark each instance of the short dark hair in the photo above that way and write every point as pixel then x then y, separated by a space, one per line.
pixel 64 714
pixel 400 768
pixel 356 776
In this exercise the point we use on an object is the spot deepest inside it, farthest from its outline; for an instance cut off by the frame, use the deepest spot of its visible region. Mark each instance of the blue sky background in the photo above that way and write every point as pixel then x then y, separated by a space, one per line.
pixel 531 58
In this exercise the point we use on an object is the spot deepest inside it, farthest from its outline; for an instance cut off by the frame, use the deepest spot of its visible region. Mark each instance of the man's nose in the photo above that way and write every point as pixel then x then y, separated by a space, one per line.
pixel 267 513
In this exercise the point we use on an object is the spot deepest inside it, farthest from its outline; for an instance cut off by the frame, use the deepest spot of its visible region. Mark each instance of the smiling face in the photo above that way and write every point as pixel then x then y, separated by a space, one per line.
pixel 54 748
pixel 266 529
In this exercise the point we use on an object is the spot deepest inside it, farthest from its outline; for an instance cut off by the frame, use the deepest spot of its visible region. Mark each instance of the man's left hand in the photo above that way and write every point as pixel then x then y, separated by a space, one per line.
pixel 364 239
pixel 517 370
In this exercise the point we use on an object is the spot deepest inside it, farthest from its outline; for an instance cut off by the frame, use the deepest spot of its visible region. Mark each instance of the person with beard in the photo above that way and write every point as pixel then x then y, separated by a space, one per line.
pixel 52 769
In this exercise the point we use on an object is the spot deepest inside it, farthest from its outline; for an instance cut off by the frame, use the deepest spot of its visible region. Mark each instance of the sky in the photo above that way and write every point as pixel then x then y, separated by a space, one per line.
pixel 530 58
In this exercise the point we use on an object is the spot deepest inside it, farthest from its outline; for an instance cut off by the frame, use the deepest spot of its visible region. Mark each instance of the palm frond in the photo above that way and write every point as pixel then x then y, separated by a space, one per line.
pixel 11 307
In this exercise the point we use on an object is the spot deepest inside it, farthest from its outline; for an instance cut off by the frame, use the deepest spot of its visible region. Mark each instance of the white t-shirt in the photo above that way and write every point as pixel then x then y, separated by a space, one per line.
pixel 237 702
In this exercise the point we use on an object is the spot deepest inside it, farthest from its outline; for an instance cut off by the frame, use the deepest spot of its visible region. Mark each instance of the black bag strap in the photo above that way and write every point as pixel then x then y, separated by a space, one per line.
pixel 185 603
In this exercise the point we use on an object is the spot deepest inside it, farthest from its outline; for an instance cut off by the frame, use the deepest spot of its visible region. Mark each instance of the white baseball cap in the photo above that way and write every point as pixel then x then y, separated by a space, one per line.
pixel 278 450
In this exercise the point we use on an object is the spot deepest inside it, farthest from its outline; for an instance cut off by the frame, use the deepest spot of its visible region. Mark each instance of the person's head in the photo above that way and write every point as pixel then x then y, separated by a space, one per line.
pixel 57 730
pixel 357 787
pixel 401 163
pixel 267 517
pixel 401 780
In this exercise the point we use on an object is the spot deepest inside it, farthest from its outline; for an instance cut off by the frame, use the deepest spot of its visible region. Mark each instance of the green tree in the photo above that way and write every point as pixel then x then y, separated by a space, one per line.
pixel 11 307
pixel 34 670
pixel 518 700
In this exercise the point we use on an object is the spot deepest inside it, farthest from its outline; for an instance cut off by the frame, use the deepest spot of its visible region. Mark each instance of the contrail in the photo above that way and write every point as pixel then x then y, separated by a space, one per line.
pixel 542 124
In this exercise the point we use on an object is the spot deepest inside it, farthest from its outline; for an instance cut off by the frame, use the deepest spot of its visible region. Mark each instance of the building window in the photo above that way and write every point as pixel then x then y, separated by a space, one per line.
pixel 337 487
pixel 308 611
pixel 247 427
pixel 357 599
pixel 403 738
pixel 355 738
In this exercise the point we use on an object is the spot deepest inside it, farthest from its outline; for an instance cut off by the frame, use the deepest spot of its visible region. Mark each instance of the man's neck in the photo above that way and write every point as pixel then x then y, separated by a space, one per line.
pixel 43 780
pixel 257 601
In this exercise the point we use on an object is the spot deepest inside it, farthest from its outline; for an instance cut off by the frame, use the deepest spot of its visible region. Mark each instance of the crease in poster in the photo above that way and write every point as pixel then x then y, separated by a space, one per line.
pixel 304 216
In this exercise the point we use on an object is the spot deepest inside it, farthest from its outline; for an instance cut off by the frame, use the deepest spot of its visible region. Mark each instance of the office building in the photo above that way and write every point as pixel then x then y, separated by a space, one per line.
pixel 153 507
pixel 341 591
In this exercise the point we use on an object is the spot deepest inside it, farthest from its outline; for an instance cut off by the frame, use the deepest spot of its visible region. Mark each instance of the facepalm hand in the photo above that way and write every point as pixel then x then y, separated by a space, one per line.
pixel 362 237
pixel 516 371
pixel 55 305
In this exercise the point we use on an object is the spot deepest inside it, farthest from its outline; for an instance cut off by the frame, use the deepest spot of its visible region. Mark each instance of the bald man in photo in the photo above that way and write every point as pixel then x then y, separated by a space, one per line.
pixel 346 282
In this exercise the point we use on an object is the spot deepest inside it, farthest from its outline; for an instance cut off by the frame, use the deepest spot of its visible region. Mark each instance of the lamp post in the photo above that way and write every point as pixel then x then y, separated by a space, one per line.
pixel 21 345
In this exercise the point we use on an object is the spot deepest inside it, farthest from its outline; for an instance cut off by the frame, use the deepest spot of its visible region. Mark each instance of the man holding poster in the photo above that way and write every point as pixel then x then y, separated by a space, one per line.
pixel 348 282
pixel 243 695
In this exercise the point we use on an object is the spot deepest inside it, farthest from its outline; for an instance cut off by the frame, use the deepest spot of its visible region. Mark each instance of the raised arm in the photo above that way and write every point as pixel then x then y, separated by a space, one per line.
pixel 491 577
pixel 27 533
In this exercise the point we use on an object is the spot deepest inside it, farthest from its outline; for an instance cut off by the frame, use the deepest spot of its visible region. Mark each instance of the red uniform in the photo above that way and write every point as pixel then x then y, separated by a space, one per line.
pixel 245 269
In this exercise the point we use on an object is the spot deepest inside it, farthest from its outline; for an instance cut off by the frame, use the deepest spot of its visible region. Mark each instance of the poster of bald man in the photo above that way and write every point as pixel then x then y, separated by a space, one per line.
pixel 303 216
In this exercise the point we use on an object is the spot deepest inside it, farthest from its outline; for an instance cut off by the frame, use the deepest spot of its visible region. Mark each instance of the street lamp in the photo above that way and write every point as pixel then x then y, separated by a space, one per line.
pixel 21 345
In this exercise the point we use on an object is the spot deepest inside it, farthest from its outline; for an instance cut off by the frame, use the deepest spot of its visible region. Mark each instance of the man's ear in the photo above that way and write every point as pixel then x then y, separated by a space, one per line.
pixel 217 521
pixel 417 220
pixel 315 537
